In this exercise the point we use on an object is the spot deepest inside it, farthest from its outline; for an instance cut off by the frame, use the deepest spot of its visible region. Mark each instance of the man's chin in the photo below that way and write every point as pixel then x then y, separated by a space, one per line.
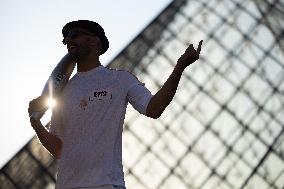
pixel 71 50
pixel 74 56
pixel 77 55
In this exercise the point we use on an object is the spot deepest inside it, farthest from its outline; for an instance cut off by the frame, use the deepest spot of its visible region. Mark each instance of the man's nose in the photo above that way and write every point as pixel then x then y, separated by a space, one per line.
pixel 68 39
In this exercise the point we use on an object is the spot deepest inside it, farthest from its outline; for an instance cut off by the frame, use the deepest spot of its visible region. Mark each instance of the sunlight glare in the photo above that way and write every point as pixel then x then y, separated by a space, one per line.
pixel 51 102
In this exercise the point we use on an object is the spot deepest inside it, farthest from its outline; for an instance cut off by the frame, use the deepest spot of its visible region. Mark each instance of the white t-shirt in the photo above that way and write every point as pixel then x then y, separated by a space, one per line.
pixel 89 120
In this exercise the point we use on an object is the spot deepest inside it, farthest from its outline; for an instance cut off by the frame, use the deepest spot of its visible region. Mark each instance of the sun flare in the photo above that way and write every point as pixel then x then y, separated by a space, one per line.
pixel 51 102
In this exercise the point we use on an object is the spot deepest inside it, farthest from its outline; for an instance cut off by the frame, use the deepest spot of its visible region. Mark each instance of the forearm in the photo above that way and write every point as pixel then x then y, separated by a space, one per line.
pixel 52 143
pixel 164 96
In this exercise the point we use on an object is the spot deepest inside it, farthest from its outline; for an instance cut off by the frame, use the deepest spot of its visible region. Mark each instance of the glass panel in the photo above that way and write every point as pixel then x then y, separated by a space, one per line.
pixel 224 127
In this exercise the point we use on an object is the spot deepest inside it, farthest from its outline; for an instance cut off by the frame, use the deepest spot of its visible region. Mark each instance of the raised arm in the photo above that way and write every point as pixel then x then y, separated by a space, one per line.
pixel 164 96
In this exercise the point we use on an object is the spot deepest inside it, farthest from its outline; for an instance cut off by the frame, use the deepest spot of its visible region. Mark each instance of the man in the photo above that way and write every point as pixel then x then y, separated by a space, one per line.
pixel 86 126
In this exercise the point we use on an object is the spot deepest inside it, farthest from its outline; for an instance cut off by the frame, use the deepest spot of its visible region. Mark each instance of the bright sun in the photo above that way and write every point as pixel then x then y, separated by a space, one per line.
pixel 51 102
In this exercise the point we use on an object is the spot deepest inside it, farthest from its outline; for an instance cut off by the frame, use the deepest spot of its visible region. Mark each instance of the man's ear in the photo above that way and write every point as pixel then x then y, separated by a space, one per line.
pixel 95 41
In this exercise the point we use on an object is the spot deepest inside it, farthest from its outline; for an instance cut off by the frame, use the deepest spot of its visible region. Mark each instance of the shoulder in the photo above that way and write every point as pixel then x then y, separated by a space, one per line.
pixel 123 74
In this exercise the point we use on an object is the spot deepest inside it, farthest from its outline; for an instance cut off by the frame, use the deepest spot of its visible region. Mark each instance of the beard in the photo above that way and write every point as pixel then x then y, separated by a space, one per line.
pixel 79 53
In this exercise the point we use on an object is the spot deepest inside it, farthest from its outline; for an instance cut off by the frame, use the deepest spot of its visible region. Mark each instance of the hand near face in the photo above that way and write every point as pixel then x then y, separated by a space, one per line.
pixel 190 55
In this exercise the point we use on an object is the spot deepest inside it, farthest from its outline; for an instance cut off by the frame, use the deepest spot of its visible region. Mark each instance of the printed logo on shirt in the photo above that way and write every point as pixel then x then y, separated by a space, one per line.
pixel 96 95
pixel 100 95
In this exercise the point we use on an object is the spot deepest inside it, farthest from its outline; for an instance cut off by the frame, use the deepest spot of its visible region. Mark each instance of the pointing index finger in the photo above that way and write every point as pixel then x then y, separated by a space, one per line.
pixel 199 46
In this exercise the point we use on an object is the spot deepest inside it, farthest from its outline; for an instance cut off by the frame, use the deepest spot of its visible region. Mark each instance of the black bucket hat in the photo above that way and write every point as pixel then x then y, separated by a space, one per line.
pixel 90 26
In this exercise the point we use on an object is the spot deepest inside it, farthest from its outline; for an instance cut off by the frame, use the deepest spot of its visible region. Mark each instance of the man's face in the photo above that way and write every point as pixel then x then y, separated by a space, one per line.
pixel 77 41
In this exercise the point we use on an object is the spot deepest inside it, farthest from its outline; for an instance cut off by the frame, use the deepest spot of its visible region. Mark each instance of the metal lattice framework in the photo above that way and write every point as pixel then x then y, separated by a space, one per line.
pixel 31 168
pixel 225 126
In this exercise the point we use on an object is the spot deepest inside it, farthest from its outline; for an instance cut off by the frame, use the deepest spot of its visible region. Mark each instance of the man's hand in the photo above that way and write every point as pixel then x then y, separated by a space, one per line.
pixel 190 55
pixel 36 105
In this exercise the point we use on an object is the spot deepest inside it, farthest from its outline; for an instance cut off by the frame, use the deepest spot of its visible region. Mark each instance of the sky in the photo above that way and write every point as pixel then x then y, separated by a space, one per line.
pixel 31 45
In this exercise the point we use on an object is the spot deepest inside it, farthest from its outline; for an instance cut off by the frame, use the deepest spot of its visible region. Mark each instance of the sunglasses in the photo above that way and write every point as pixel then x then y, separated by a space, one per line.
pixel 74 34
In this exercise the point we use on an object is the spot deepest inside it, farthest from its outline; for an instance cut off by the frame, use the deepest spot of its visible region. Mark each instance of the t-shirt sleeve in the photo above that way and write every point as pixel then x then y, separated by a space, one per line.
pixel 138 95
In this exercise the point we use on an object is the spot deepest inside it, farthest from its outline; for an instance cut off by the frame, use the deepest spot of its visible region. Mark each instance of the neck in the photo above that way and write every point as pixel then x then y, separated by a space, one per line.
pixel 88 64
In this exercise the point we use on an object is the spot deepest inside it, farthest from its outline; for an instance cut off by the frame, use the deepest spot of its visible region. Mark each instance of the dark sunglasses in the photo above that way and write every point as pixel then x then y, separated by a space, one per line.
pixel 74 34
